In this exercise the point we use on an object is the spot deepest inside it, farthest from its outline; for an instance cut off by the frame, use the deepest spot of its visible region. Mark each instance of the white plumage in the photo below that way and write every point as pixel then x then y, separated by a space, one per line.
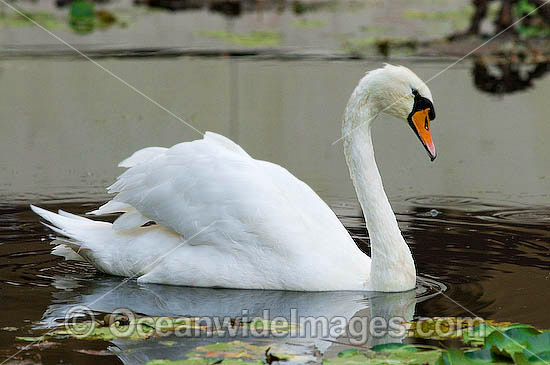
pixel 224 219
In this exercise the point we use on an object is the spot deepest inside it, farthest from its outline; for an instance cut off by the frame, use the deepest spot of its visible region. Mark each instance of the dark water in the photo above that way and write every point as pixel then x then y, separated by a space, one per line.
pixel 489 261
pixel 477 219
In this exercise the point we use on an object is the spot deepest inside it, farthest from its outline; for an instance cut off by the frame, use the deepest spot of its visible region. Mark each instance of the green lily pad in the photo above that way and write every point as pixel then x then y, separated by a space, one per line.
pixel 453 357
pixel 443 328
pixel 538 348
pixel 349 353
pixel 478 334
pixel 483 355
pixel 348 357
pixel 507 343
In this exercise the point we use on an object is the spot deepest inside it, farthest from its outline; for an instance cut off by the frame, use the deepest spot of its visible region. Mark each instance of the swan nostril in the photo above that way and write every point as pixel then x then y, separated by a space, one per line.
pixel 427 124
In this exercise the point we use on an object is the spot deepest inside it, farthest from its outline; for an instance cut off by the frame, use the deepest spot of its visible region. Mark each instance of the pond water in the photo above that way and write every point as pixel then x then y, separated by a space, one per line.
pixel 477 219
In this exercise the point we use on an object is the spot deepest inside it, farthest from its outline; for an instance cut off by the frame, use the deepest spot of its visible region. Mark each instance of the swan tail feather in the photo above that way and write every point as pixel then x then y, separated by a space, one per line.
pixel 80 238
pixel 112 206
pixel 117 252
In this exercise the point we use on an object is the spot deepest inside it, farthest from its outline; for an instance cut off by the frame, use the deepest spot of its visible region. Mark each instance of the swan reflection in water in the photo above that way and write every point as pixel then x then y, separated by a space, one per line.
pixel 357 310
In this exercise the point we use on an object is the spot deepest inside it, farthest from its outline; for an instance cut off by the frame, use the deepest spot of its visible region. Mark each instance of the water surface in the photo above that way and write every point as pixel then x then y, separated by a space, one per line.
pixel 476 219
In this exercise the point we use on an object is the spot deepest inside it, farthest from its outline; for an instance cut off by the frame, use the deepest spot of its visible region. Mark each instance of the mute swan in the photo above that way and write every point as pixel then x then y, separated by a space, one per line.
pixel 224 219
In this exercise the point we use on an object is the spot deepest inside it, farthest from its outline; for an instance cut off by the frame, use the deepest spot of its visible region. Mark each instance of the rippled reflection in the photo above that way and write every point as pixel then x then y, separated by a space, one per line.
pixel 109 294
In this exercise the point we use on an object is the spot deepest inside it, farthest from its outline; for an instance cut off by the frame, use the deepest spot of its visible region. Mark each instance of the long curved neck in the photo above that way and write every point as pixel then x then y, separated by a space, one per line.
pixel 392 267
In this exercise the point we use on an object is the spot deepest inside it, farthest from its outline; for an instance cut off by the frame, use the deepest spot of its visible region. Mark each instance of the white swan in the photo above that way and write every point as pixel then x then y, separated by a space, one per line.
pixel 224 219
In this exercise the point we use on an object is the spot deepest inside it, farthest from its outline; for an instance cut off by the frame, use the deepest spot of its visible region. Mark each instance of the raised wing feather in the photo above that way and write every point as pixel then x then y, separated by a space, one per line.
pixel 213 192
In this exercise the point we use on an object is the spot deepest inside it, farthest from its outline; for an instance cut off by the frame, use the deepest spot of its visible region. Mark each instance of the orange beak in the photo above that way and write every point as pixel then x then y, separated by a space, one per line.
pixel 420 123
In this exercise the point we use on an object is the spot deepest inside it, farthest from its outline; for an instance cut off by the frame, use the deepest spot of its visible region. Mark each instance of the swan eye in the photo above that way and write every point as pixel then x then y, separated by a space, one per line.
pixel 415 92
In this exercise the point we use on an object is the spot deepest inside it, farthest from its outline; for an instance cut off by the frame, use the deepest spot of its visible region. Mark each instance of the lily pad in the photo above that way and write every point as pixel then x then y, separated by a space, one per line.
pixel 538 348
pixel 483 355
pixel 349 353
pixel 445 328
pixel 511 341
pixel 477 335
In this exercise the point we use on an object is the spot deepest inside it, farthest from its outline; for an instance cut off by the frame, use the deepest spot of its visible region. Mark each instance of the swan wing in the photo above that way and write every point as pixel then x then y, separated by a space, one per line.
pixel 223 219
pixel 213 191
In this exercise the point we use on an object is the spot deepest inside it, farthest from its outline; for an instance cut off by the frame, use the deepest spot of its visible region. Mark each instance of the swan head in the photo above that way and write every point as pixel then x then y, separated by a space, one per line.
pixel 397 91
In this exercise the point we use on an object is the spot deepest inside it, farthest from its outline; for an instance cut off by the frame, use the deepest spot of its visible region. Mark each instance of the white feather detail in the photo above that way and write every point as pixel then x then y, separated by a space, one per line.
pixel 66 252
pixel 143 155
pixel 112 207
pixel 130 220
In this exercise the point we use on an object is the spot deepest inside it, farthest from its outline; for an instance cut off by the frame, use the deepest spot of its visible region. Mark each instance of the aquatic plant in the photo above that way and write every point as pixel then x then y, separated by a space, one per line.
pixel 483 341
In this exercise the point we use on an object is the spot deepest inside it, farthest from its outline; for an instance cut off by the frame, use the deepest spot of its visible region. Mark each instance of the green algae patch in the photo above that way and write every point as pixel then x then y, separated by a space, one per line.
pixel 257 38
pixel 459 18
pixel 313 23
pixel 463 13
pixel 47 20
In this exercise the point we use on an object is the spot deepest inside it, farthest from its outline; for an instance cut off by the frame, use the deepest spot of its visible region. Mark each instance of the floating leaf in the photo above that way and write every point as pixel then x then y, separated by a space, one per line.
pixel 482 355
pixel 477 335
pixel 538 348
pixel 508 342
pixel 348 357
pixel 453 357
pixel 348 353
